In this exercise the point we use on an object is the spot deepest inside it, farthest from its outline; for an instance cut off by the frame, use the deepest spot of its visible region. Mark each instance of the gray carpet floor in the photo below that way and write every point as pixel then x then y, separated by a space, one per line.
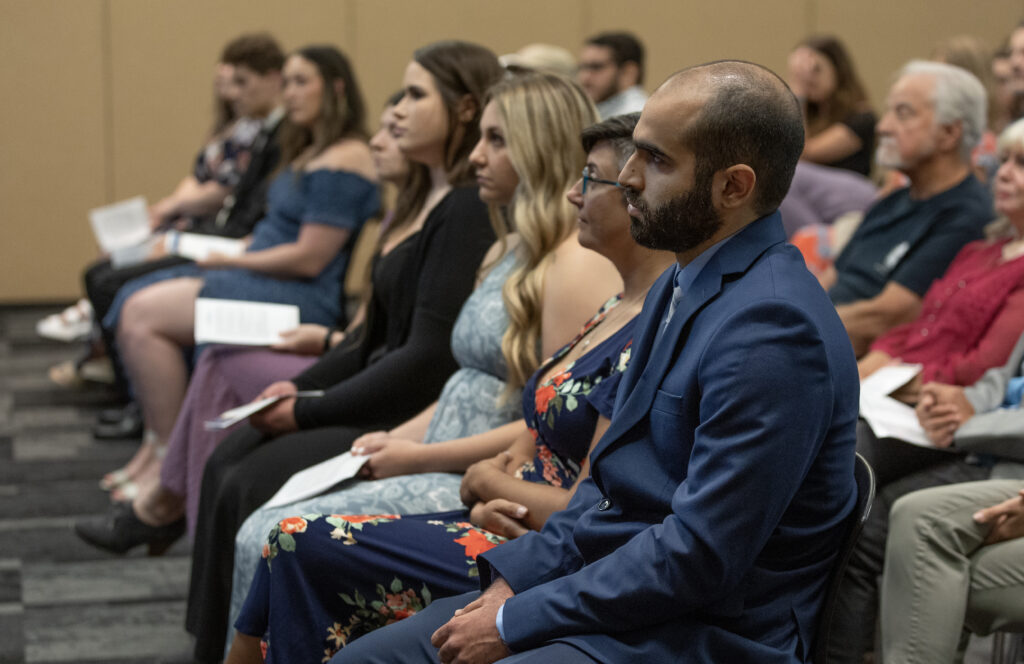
pixel 62 601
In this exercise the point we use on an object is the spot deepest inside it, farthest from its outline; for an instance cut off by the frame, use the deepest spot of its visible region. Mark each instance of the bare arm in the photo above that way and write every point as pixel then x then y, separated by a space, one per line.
pixel 485 482
pixel 866 320
pixel 832 144
pixel 305 258
pixel 577 283
pixel 827 279
pixel 190 198
pixel 391 456
pixel 872 362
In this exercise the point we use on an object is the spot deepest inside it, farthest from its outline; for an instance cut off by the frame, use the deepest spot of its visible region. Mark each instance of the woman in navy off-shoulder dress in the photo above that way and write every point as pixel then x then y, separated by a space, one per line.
pixel 298 253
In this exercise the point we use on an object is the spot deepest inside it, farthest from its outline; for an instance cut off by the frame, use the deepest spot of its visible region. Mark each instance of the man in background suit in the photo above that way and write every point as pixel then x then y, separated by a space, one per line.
pixel 718 497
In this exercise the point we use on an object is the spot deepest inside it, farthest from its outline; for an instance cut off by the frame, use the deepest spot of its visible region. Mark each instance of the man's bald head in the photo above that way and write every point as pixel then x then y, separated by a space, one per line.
pixel 748 116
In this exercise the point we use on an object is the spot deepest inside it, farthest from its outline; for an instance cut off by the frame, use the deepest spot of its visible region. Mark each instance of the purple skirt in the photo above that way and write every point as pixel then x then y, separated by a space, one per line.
pixel 225 377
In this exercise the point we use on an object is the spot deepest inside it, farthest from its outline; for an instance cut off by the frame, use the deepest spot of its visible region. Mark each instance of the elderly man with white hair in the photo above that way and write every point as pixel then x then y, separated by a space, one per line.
pixel 934 117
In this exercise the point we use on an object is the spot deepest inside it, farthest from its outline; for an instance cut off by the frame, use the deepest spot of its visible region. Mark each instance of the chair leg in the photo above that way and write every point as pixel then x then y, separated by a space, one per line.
pixel 1016 648
pixel 998 646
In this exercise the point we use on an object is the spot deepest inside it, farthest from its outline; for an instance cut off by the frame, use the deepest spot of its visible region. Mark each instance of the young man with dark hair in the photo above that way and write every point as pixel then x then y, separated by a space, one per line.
pixel 611 71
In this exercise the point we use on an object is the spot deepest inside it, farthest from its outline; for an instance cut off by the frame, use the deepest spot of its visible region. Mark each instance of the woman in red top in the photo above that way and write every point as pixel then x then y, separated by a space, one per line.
pixel 972 316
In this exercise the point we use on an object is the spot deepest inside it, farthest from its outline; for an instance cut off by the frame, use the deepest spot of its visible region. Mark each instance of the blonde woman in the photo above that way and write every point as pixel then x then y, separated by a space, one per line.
pixel 565 405
pixel 527 158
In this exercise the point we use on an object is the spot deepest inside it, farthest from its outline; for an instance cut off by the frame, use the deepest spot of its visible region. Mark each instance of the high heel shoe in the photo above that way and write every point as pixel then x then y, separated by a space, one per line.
pixel 120 530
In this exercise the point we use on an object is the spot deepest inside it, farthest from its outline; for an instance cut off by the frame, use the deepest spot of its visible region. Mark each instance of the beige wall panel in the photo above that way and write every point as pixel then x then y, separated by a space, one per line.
pixel 388 31
pixel 686 32
pixel 78 130
pixel 51 137
pixel 884 34
pixel 163 57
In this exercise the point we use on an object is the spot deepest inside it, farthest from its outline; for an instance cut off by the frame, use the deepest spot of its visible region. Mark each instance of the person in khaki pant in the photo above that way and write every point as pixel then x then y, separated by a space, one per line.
pixel 955 559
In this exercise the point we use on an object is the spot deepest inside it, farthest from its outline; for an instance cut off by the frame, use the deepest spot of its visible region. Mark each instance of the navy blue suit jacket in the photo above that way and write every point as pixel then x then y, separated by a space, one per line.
pixel 717 497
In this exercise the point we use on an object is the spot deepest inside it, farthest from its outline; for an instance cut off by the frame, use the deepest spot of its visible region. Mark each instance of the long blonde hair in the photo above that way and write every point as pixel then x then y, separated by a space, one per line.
pixel 543 115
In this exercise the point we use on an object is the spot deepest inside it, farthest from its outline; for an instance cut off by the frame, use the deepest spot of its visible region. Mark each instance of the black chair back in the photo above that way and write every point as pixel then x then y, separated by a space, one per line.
pixel 865 479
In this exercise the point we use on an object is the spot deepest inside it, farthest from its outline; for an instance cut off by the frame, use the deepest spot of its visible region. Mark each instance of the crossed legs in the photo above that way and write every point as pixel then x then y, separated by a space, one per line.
pixel 940 576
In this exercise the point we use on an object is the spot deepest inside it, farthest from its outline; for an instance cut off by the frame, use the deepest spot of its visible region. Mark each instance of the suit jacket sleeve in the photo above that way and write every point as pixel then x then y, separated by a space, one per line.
pixel 987 392
pixel 994 430
pixel 759 432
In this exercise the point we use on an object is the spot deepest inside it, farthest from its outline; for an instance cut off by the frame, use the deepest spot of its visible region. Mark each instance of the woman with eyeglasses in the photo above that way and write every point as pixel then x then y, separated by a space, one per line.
pixel 326 579
pixel 540 287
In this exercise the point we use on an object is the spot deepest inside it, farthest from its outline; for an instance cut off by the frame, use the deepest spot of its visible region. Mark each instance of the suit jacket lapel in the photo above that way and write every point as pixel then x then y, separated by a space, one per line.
pixel 647 368
pixel 646 331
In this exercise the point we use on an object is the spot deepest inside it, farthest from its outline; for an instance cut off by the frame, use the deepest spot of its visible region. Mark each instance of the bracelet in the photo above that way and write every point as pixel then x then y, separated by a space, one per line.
pixel 327 339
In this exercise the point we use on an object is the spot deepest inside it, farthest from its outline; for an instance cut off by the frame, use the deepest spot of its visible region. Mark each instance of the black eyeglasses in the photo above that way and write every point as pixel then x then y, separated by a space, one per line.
pixel 588 178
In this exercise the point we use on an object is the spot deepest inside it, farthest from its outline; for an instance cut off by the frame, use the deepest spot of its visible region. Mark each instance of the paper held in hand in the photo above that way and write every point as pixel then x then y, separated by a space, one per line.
pixel 235 415
pixel 120 225
pixel 198 247
pixel 888 417
pixel 243 323
pixel 317 479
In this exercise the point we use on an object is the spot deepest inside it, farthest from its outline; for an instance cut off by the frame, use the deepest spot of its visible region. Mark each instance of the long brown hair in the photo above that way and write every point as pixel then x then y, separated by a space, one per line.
pixel 849 95
pixel 341 115
pixel 459 68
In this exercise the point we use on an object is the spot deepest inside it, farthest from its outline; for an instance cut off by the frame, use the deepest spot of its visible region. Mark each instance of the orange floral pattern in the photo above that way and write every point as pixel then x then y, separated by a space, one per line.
pixel 294 524
pixel 476 542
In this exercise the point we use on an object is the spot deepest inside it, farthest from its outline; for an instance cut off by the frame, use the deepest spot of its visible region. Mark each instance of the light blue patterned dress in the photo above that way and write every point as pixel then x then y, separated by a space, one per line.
pixel 469 404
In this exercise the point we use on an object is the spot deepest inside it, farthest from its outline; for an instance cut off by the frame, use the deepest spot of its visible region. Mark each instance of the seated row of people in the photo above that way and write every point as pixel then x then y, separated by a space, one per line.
pixel 536 288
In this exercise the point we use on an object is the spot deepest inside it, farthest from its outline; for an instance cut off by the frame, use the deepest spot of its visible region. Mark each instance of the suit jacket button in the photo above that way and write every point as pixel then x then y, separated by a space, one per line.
pixel 604 505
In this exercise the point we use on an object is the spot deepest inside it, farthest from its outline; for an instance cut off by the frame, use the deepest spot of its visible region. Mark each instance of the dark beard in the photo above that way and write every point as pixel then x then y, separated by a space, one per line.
pixel 681 224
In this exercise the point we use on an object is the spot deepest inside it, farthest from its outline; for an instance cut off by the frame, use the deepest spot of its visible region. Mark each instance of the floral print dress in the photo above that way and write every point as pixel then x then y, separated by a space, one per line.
pixel 327 579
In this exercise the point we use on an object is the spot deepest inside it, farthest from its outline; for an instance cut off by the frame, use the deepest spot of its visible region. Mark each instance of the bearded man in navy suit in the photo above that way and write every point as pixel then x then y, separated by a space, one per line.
pixel 718 496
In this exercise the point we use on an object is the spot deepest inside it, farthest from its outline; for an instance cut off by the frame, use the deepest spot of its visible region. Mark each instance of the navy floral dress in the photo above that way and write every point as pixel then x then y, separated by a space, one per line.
pixel 330 578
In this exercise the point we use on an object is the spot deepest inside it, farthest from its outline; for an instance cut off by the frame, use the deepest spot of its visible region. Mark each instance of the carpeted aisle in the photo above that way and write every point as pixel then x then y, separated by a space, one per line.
pixel 61 600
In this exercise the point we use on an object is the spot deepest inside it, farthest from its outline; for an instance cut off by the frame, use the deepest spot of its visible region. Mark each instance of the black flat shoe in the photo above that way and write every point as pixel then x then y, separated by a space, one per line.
pixel 119 530
pixel 114 415
pixel 129 426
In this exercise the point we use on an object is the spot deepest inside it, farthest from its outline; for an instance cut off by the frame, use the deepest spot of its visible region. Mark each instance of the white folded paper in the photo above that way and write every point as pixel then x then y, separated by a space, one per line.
pixel 136 253
pixel 235 415
pixel 888 417
pixel 888 379
pixel 120 225
pixel 197 246
pixel 243 323
pixel 317 479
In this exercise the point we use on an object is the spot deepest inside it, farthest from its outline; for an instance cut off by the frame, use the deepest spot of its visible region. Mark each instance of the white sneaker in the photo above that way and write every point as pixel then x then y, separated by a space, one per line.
pixel 72 324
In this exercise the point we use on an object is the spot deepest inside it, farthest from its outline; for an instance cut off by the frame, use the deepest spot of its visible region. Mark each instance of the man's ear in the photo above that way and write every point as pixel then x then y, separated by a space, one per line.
pixel 466 109
pixel 949 136
pixel 629 74
pixel 733 187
